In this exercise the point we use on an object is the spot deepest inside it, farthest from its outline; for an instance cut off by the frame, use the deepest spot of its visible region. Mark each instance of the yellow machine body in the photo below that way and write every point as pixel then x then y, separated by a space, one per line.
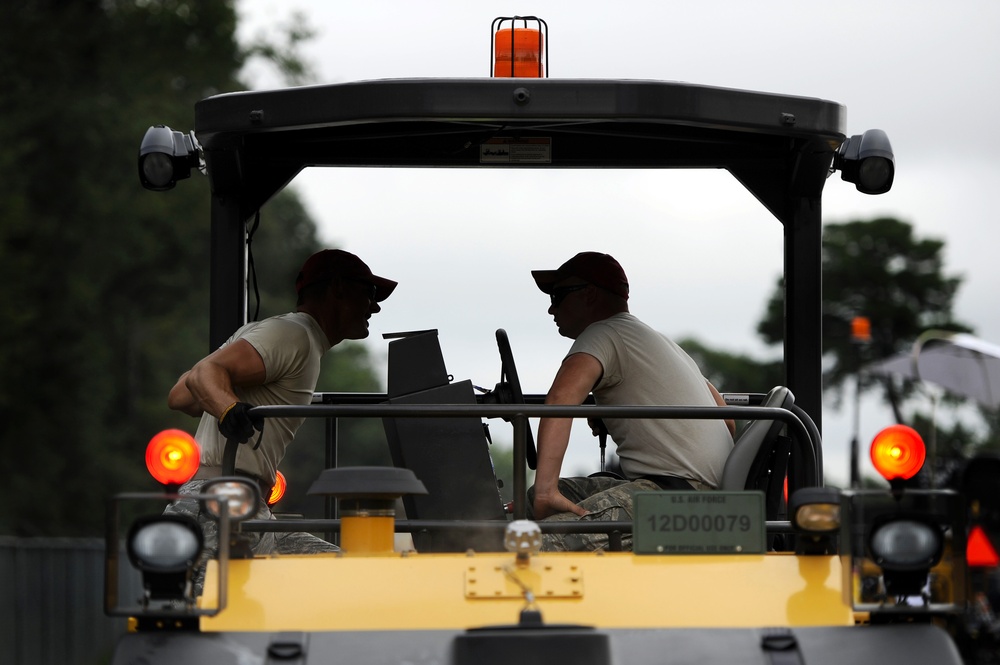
pixel 454 591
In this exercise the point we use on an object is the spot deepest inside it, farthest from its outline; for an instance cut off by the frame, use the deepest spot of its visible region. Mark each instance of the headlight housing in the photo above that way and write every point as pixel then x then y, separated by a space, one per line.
pixel 239 498
pixel 906 544
pixel 166 156
pixel 815 510
pixel 164 543
pixel 905 548
pixel 166 549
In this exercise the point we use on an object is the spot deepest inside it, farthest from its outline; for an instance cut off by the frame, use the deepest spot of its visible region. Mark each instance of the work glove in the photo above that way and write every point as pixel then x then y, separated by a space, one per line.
pixel 236 422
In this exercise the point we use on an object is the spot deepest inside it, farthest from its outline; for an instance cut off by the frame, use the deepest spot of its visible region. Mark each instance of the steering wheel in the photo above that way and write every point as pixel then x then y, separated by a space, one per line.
pixel 510 390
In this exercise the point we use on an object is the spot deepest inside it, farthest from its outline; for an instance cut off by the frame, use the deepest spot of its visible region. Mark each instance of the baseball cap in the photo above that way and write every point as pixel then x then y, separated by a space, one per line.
pixel 330 263
pixel 599 269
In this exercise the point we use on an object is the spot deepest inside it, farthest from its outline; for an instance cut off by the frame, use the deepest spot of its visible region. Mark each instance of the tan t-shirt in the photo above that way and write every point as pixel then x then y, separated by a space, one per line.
pixel 291 346
pixel 643 367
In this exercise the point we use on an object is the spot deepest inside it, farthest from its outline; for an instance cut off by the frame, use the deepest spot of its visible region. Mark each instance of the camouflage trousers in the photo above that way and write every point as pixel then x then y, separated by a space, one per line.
pixel 260 543
pixel 605 499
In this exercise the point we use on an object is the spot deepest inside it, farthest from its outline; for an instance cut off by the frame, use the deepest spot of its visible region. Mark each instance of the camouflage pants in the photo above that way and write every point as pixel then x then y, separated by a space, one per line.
pixel 260 543
pixel 607 499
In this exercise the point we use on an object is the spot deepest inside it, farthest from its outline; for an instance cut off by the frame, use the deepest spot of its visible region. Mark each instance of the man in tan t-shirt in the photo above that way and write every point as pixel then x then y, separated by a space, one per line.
pixel 270 362
pixel 623 362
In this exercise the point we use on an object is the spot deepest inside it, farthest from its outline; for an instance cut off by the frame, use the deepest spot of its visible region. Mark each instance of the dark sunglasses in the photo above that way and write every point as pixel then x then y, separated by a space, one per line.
pixel 372 290
pixel 559 294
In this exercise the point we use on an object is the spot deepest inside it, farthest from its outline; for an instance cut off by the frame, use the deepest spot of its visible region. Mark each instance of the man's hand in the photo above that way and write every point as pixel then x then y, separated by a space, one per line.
pixel 236 422
pixel 550 504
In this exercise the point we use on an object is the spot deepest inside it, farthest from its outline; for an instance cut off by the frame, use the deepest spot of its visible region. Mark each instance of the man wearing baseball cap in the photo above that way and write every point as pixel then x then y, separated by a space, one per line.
pixel 623 362
pixel 273 362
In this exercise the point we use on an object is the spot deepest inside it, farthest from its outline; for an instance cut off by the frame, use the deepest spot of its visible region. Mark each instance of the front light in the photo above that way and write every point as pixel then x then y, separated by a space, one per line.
pixel 818 518
pixel 867 160
pixel 906 545
pixel 166 156
pixel 157 169
pixel 815 510
pixel 239 498
pixel 164 543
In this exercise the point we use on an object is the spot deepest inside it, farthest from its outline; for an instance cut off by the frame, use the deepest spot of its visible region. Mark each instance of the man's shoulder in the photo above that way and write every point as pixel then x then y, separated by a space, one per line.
pixel 599 338
pixel 288 327
pixel 615 324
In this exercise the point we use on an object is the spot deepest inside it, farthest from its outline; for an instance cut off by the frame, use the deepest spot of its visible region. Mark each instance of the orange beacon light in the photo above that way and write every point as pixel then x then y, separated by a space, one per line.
pixel 173 457
pixel 519 52
pixel 898 452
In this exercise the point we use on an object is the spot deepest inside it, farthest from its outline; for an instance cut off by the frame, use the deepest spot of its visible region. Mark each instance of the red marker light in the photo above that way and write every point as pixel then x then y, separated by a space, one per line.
pixel 898 452
pixel 979 551
pixel 278 491
pixel 173 457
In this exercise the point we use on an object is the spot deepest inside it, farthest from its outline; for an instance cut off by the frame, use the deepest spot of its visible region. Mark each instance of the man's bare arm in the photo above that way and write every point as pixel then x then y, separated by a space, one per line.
pixel 720 401
pixel 573 382
pixel 181 399
pixel 210 385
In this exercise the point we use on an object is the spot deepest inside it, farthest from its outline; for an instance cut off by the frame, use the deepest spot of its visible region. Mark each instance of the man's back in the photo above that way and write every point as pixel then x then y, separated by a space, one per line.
pixel 643 367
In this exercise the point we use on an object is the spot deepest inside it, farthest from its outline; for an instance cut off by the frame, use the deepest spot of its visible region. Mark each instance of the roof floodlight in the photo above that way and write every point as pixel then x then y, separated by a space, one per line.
pixel 867 161
pixel 166 156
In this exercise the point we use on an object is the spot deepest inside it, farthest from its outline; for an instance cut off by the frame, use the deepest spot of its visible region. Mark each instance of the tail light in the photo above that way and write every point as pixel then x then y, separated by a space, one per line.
pixel 898 452
pixel 278 491
pixel 173 457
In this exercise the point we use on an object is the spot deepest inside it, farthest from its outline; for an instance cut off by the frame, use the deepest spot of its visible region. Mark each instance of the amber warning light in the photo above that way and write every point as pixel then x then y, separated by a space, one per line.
pixel 519 51
pixel 278 491
pixel 898 452
pixel 173 457
pixel 861 329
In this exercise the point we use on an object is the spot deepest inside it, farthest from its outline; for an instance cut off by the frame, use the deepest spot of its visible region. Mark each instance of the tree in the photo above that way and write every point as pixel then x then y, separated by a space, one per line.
pixel 106 285
pixel 730 372
pixel 879 270
pixel 948 449
pixel 98 273
pixel 734 373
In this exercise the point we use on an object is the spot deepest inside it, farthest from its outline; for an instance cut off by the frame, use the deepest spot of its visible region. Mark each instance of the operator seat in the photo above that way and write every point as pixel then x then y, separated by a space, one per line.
pixel 759 458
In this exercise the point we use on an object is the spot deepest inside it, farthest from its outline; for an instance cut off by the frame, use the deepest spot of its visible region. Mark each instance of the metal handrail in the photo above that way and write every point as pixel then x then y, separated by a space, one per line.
pixel 613 529
pixel 519 414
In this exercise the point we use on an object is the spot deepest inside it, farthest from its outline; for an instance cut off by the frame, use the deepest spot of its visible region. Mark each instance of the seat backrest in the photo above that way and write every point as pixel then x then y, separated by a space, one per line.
pixel 449 455
pixel 759 457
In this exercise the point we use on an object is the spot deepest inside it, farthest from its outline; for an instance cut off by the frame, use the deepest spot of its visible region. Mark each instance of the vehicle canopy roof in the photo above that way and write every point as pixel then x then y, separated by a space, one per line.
pixel 781 148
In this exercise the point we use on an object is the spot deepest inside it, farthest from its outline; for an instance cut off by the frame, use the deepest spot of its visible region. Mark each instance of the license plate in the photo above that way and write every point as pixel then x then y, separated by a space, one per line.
pixel 707 522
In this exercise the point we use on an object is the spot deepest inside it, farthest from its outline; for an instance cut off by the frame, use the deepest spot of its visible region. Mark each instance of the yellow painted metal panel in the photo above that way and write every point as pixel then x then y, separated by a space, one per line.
pixel 612 590
pixel 553 579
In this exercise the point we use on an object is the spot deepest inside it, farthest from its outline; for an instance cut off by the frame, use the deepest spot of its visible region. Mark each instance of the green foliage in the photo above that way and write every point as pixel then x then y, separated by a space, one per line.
pixel 99 274
pixel 735 373
pixel 284 56
pixel 106 300
pixel 991 440
pixel 948 447
pixel 880 270
pixel 503 465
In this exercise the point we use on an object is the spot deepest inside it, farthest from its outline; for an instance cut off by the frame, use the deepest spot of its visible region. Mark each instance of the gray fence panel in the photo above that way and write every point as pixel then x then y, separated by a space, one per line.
pixel 52 602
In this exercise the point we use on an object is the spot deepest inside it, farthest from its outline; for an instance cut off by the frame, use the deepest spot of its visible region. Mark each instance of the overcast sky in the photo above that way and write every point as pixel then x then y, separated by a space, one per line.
pixel 701 254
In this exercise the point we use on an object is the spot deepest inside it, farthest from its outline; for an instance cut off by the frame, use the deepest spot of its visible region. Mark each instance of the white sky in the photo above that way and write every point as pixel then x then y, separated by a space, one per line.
pixel 701 254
